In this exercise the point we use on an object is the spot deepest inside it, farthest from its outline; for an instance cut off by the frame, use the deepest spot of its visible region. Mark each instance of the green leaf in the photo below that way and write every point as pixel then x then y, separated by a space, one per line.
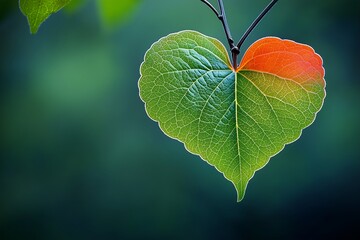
pixel 113 12
pixel 234 120
pixel 37 11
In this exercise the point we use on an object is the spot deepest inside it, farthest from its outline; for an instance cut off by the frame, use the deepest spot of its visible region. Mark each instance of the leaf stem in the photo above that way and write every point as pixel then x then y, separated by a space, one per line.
pixel 222 17
pixel 235 49
pixel 256 22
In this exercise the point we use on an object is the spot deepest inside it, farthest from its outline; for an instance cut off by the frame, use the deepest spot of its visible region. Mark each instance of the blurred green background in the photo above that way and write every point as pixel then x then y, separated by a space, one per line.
pixel 80 159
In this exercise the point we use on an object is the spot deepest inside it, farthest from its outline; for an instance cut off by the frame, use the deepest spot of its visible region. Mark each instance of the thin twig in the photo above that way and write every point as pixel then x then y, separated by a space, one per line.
pixel 255 23
pixel 211 7
pixel 235 49
pixel 222 17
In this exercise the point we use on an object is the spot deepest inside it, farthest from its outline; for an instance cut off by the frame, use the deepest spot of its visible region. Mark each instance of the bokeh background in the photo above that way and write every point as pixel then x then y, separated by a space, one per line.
pixel 80 159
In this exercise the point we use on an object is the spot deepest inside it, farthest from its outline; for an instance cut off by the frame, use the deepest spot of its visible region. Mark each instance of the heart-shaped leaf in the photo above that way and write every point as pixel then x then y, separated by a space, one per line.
pixel 234 120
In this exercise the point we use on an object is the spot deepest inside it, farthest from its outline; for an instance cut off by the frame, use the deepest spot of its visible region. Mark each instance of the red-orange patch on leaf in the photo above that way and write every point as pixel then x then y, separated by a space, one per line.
pixel 284 58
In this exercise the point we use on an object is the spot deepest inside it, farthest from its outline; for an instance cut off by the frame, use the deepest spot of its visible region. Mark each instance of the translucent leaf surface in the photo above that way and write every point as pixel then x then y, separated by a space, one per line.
pixel 37 11
pixel 233 119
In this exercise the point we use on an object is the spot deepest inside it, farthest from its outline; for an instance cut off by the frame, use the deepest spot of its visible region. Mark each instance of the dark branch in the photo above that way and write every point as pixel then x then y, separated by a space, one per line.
pixel 235 49
pixel 256 22
pixel 222 17
pixel 211 7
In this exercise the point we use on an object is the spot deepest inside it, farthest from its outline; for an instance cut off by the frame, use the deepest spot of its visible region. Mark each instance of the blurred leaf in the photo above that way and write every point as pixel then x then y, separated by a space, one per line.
pixel 113 12
pixel 74 5
pixel 37 11
pixel 234 119
pixel 77 85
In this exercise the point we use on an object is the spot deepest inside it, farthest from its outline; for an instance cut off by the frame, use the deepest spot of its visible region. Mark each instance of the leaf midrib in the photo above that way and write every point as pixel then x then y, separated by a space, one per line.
pixel 237 129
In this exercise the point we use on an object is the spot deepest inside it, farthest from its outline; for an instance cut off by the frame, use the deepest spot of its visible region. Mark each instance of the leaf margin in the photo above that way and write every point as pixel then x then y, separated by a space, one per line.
pixel 158 122
pixel 240 195
pixel 302 129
